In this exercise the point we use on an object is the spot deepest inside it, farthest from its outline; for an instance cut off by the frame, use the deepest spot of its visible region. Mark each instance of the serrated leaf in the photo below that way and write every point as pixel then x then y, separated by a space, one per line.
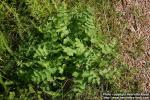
pixel 44 64
pixel 61 70
pixel 85 74
pixel 69 51
pixel 80 47
pixel 64 33
pixel 52 93
pixel 75 74
pixel 60 78
pixel 66 40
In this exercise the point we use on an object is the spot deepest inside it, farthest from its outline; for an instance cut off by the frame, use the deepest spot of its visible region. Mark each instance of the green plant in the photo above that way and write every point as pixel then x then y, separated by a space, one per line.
pixel 68 47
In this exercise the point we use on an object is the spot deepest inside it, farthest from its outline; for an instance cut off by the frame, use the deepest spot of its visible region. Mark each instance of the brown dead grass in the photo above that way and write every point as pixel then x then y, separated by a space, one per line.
pixel 135 40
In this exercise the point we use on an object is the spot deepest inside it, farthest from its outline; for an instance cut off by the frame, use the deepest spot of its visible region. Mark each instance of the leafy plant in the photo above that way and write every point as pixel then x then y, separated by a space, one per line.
pixel 69 47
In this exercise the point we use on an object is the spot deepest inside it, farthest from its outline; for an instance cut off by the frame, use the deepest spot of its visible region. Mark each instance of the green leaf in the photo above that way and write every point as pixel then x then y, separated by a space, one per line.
pixel 61 70
pixel 51 93
pixel 44 63
pixel 60 78
pixel 80 47
pixel 66 40
pixel 75 74
pixel 85 74
pixel 68 51
pixel 64 33
pixel 11 96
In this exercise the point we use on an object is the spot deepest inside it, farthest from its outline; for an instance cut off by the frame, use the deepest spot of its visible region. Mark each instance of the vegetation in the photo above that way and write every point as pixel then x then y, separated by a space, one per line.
pixel 52 49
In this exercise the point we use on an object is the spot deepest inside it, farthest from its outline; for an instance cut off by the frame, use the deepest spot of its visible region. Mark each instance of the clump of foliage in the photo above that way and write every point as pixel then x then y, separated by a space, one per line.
pixel 59 50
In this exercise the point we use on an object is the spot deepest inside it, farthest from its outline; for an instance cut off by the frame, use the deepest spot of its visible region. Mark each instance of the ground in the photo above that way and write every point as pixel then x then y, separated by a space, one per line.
pixel 136 37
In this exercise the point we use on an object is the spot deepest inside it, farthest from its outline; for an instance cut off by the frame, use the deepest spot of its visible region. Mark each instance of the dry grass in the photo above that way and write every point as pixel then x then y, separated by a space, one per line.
pixel 129 22
pixel 135 40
